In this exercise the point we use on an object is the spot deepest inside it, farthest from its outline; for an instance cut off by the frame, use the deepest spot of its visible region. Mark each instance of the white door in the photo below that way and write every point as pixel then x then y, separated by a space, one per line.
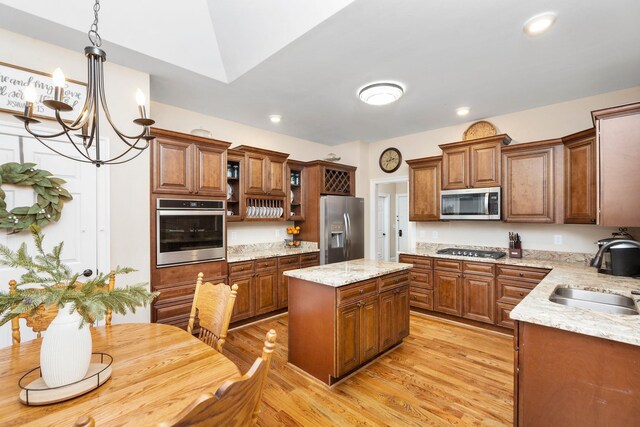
pixel 382 227
pixel 402 215
pixel 77 226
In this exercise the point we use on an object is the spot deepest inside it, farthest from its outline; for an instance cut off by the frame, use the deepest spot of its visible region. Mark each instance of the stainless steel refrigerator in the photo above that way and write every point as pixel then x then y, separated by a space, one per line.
pixel 341 228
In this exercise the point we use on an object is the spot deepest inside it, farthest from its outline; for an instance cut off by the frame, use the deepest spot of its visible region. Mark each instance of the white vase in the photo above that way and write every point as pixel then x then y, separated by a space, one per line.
pixel 65 354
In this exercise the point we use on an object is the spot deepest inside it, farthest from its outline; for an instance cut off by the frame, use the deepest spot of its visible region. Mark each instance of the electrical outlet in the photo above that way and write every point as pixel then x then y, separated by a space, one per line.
pixel 234 236
pixel 434 234
pixel 557 239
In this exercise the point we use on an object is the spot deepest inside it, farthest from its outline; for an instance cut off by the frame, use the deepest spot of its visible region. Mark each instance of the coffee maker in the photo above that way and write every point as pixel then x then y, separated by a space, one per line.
pixel 621 259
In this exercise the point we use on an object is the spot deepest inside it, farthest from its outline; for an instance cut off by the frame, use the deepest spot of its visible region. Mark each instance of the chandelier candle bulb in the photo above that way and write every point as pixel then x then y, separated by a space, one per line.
pixel 140 99
pixel 58 84
pixel 30 97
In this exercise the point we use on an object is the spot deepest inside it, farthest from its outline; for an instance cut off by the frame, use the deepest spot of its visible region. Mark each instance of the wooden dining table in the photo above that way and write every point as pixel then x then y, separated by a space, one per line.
pixel 158 370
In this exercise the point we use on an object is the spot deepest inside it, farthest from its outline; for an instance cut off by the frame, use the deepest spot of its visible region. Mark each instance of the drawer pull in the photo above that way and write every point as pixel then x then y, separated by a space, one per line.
pixel 521 294
pixel 521 274
pixel 414 297
pixel 361 291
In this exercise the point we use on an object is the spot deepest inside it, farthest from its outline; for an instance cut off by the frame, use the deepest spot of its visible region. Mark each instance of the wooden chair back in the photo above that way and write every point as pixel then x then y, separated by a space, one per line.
pixel 236 402
pixel 43 316
pixel 213 306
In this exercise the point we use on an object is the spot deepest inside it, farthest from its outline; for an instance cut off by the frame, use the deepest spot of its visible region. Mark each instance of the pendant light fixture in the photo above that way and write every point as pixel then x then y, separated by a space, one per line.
pixel 84 132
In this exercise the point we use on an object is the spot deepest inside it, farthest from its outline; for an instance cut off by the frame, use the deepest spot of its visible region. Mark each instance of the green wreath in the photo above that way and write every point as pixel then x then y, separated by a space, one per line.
pixel 51 197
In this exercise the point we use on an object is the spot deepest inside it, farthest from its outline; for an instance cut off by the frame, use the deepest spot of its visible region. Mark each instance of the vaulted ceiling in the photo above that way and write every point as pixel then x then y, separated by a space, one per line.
pixel 243 60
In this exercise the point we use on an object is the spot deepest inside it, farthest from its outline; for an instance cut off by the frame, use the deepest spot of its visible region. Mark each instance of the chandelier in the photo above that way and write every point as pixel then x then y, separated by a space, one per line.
pixel 84 132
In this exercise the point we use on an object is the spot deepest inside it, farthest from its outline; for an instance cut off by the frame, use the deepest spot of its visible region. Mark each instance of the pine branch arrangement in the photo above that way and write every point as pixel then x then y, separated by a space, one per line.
pixel 58 285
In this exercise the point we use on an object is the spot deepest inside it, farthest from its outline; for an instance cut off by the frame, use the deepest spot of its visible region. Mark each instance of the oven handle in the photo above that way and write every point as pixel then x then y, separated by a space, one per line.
pixel 167 212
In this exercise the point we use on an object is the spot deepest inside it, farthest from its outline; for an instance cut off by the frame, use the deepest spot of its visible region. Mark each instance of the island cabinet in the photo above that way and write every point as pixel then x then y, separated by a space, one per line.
pixel 580 177
pixel 187 164
pixel 618 153
pixel 424 188
pixel 333 330
pixel 532 182
pixel 568 379
pixel 472 164
pixel 265 171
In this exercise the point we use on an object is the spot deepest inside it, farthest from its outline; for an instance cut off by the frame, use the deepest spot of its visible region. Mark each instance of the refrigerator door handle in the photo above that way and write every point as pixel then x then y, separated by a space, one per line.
pixel 345 250
pixel 348 237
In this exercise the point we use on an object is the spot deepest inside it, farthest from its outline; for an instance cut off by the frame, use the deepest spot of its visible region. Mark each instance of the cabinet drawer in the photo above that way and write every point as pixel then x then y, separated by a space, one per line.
pixel 420 262
pixel 356 291
pixel 309 259
pixel 172 311
pixel 479 268
pixel 512 292
pixel 266 264
pixel 393 280
pixel 534 275
pixel 448 265
pixel 421 280
pixel 288 261
pixel 240 268
pixel 502 315
pixel 421 299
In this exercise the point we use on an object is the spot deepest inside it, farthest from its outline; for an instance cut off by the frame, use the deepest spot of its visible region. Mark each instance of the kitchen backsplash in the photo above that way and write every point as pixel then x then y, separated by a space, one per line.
pixel 258 247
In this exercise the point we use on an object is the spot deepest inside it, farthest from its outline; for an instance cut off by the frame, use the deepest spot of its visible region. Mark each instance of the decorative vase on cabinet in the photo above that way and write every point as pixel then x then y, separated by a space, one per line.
pixel 66 348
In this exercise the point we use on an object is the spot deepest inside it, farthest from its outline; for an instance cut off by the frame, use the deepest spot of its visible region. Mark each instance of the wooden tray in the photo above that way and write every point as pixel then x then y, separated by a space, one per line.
pixel 36 393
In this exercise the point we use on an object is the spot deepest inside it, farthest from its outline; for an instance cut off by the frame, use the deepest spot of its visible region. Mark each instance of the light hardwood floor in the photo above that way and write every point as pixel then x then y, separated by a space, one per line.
pixel 443 374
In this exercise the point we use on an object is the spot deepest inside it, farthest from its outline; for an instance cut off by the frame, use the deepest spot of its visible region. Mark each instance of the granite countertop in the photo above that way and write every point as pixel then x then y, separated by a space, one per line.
pixel 268 253
pixel 347 272
pixel 536 307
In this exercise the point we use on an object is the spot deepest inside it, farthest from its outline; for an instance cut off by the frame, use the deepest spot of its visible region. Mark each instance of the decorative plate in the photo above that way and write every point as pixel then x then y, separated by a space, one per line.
pixel 291 196
pixel 481 129
pixel 229 192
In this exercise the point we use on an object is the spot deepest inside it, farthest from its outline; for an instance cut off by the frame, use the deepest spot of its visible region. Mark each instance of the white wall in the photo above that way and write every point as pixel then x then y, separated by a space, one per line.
pixel 551 121
pixel 128 197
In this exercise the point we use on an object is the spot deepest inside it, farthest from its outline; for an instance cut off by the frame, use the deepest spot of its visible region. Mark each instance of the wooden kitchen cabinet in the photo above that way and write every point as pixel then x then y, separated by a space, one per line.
pixel 420 280
pixel 513 283
pixel 187 164
pixel 529 190
pixel 424 188
pixel 447 290
pixel 357 334
pixel 264 171
pixel 266 285
pixel 472 164
pixel 296 183
pixel 565 378
pixel 478 298
pixel 394 316
pixel 618 153
pixel 580 177
pixel 285 264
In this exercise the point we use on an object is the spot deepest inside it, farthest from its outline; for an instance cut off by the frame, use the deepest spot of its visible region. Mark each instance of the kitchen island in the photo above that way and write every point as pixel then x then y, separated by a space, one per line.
pixel 343 315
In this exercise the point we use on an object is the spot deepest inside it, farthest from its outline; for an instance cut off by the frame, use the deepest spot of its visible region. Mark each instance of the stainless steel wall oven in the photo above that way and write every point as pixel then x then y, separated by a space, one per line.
pixel 189 231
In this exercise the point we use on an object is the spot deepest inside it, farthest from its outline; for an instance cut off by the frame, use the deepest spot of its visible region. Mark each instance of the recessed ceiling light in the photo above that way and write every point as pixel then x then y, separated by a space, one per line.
pixel 275 118
pixel 380 93
pixel 463 111
pixel 539 23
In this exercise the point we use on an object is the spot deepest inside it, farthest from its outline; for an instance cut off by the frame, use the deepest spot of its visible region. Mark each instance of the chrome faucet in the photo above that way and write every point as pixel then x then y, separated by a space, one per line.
pixel 596 261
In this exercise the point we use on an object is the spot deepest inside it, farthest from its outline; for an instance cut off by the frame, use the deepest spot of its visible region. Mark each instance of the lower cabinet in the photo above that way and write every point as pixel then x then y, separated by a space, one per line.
pixel 357 333
pixel 266 291
pixel 478 298
pixel 244 306
pixel 447 292
pixel 335 330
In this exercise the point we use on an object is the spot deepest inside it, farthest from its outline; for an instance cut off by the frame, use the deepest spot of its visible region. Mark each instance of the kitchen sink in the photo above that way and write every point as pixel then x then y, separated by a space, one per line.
pixel 593 300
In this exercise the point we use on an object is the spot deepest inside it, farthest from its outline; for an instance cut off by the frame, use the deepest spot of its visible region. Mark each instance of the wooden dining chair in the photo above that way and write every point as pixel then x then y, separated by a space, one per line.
pixel 44 315
pixel 212 305
pixel 236 402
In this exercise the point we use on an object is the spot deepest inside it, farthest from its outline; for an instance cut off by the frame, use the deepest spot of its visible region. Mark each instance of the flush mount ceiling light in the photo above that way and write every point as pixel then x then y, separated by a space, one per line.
pixel 539 23
pixel 275 118
pixel 380 93
pixel 86 124
pixel 462 111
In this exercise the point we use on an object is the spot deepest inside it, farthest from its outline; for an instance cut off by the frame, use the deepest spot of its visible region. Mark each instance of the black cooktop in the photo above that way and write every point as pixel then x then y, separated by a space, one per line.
pixel 472 253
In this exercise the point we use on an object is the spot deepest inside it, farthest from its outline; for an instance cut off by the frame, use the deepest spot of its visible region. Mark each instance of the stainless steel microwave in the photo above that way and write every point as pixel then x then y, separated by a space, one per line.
pixel 189 231
pixel 470 204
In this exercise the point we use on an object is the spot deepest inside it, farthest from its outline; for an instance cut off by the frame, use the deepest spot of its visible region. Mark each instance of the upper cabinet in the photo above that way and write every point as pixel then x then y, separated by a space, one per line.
pixel 472 164
pixel 580 177
pixel 235 171
pixel 296 190
pixel 187 164
pixel 264 172
pixel 618 151
pixel 529 174
pixel 424 188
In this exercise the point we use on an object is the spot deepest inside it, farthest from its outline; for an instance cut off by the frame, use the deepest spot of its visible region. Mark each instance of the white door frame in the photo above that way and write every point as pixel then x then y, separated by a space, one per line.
pixel 398 195
pixel 386 224
pixel 373 192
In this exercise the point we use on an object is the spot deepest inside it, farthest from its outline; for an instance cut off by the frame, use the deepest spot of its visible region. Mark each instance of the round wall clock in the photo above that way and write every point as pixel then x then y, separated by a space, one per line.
pixel 390 160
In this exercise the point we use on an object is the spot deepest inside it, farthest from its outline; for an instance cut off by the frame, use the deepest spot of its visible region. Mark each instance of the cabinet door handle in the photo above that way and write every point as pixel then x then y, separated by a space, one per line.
pixel 358 305
pixel 521 274
pixel 521 294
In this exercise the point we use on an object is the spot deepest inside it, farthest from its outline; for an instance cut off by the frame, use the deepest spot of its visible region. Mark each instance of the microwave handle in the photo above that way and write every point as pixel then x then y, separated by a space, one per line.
pixel 486 203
